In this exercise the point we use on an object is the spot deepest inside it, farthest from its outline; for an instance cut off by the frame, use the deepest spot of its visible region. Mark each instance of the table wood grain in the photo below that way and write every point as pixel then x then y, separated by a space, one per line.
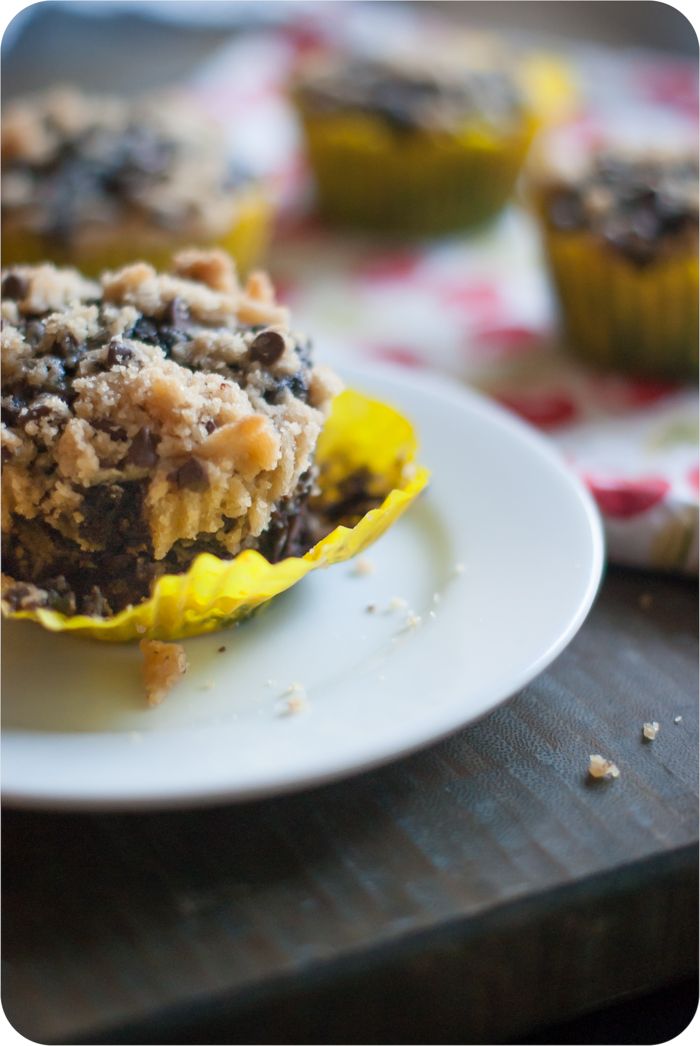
pixel 467 893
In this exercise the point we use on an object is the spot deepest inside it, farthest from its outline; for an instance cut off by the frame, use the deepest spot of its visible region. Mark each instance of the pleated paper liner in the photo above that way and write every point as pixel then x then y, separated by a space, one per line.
pixel 642 320
pixel 369 177
pixel 361 433
pixel 246 240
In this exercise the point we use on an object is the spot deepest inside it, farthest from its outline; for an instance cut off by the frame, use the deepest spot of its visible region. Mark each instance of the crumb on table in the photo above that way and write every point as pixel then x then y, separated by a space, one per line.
pixel 600 767
pixel 650 730
pixel 164 665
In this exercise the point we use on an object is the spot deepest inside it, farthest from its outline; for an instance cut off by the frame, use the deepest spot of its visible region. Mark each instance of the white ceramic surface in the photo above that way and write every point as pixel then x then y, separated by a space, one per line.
pixel 501 504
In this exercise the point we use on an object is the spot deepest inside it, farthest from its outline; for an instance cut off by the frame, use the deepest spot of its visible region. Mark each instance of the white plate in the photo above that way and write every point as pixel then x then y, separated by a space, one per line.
pixel 76 730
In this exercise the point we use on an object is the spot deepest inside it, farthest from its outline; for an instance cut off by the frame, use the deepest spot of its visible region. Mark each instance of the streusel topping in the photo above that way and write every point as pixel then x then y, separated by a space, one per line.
pixel 72 161
pixel 149 411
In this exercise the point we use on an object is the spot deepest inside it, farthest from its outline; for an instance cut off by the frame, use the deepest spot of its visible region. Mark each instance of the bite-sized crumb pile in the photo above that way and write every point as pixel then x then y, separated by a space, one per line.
pixel 146 418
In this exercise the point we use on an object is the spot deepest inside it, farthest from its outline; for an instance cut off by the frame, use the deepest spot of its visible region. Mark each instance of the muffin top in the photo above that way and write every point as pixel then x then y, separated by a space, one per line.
pixel 184 385
pixel 72 160
pixel 409 93
pixel 640 204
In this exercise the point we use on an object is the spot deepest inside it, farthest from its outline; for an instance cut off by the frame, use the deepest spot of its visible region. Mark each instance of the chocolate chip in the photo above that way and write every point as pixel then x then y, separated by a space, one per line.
pixel 15 286
pixel 267 347
pixel 118 353
pixel 175 313
pixel 115 432
pixel 145 330
pixel 34 332
pixel 191 476
pixel 142 452
pixel 12 407
pixel 210 426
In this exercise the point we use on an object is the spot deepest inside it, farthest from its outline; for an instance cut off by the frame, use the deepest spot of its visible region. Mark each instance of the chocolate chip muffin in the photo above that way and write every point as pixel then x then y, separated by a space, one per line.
pixel 621 236
pixel 146 418
pixel 411 143
pixel 96 181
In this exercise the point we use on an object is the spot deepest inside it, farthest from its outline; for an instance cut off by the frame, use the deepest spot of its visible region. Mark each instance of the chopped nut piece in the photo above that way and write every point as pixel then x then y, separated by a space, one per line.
pixel 164 664
pixel 650 730
pixel 600 767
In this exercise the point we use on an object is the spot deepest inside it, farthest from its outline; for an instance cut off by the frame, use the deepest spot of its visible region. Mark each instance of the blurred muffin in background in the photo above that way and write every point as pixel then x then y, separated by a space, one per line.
pixel 620 230
pixel 98 181
pixel 417 142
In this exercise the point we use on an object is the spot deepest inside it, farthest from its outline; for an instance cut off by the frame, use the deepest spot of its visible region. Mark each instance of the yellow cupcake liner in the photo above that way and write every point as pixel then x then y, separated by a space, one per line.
pixel 246 240
pixel 639 319
pixel 361 433
pixel 367 176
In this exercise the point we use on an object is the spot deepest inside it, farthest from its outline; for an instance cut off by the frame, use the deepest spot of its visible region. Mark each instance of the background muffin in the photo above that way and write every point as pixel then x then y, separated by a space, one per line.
pixel 621 238
pixel 414 144
pixel 98 181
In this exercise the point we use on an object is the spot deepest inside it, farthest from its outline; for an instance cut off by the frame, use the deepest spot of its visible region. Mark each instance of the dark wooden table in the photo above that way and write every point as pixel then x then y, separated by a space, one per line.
pixel 469 893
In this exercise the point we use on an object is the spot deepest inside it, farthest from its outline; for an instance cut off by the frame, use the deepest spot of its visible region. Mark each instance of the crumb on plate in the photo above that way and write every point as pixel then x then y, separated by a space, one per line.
pixel 164 665
pixel 363 567
pixel 294 701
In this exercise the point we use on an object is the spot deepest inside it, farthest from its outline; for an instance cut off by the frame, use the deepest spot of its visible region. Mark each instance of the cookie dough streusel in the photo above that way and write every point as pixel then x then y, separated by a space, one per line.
pixel 147 418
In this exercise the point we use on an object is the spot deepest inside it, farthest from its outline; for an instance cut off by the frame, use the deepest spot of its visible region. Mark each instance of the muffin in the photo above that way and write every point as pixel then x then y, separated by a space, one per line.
pixel 97 181
pixel 413 145
pixel 159 436
pixel 621 239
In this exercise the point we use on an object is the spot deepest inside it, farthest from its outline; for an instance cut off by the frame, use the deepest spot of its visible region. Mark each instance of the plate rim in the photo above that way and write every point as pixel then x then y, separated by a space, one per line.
pixel 459 396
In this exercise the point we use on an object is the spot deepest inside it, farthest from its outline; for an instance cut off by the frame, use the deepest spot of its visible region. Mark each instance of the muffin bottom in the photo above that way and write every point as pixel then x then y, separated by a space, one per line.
pixel 618 315
pixel 57 574
pixel 369 178
pixel 246 241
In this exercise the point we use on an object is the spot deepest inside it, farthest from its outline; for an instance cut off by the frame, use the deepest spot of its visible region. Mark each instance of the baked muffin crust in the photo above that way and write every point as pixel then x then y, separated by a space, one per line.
pixel 146 418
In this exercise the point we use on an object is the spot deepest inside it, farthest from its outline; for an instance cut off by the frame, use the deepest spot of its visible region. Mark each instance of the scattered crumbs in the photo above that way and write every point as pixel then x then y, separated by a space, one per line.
pixel 600 767
pixel 371 608
pixel 221 650
pixel 432 614
pixel 678 719
pixel 141 629
pixel 646 600
pixel 397 603
pixel 459 568
pixel 362 567
pixel 294 701
pixel 650 730
pixel 164 665
pixel 436 597
pixel 135 737
pixel 413 621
